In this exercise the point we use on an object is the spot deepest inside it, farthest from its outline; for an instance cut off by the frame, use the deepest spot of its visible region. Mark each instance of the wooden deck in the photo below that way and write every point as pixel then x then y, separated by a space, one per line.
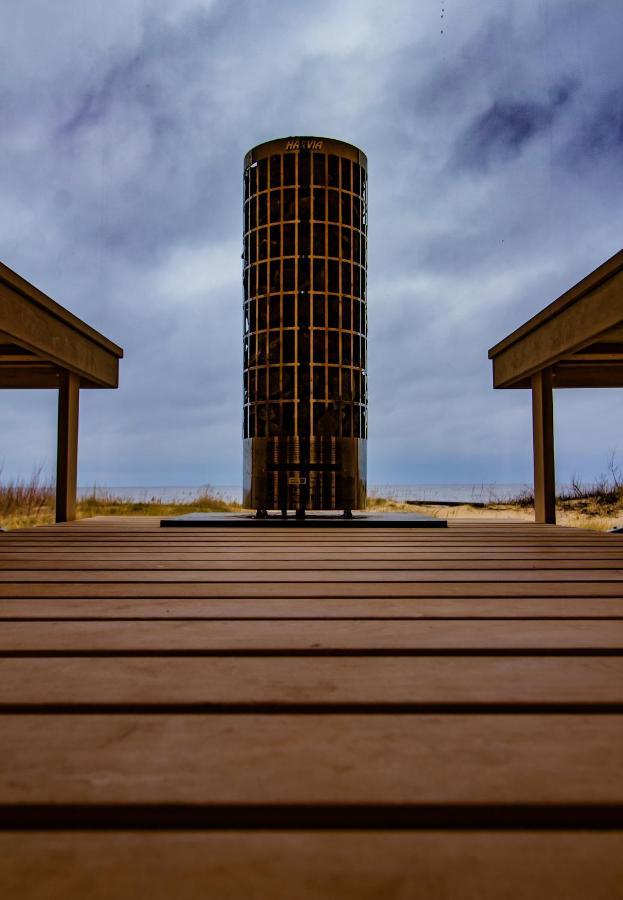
pixel 379 713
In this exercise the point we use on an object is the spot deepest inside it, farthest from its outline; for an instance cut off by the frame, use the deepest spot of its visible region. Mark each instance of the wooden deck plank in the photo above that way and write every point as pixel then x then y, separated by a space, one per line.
pixel 199 549
pixel 298 575
pixel 266 636
pixel 351 865
pixel 151 555
pixel 328 590
pixel 193 539
pixel 506 535
pixel 499 533
pixel 355 607
pixel 268 760
pixel 457 530
pixel 315 680
pixel 366 564
pixel 452 537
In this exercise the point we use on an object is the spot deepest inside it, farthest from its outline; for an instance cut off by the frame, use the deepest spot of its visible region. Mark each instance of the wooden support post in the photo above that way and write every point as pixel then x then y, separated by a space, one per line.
pixel 543 443
pixel 67 452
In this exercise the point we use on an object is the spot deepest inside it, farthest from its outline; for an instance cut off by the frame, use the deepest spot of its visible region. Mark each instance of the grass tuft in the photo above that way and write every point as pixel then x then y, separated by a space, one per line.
pixel 27 503
pixel 598 505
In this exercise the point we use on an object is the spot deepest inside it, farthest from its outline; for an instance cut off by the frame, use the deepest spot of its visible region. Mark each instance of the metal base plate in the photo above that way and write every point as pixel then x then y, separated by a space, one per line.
pixel 312 520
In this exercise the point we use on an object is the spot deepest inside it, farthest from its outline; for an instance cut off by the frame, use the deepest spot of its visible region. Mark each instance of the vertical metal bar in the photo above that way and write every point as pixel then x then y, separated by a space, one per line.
pixel 543 444
pixel 67 447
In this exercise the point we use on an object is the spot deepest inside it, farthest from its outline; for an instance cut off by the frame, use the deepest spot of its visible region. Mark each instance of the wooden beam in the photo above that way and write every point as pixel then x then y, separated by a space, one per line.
pixel 543 444
pixel 613 334
pixel 569 374
pixel 53 339
pixel 30 375
pixel 16 283
pixel 10 351
pixel 35 322
pixel 585 313
pixel 67 454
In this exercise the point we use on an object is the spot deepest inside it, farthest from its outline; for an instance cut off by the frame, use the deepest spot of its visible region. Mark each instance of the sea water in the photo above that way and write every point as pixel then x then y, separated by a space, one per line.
pixel 464 493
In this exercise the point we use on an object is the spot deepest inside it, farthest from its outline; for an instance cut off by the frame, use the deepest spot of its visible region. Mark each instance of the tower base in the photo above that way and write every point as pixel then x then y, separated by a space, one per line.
pixel 322 473
pixel 326 520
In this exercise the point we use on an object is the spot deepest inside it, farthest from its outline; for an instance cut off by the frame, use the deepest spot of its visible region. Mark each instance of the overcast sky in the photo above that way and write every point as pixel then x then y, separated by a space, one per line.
pixel 494 135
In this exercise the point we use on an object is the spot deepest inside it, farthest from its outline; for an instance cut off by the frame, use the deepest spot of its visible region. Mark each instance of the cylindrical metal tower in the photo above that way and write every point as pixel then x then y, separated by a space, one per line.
pixel 305 325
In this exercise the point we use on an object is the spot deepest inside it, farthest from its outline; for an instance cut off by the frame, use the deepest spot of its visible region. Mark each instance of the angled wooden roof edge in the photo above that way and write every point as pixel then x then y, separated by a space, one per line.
pixel 32 293
pixel 602 273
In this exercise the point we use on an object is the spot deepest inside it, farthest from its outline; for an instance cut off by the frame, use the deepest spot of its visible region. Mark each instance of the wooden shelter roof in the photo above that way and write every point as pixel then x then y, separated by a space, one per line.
pixel 579 336
pixel 39 339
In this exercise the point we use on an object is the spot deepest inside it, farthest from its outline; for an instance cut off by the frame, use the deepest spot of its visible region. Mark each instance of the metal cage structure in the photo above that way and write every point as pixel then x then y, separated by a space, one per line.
pixel 305 326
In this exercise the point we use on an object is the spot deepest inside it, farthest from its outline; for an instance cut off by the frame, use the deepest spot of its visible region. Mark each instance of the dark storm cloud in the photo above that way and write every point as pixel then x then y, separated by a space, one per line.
pixel 499 133
pixel 599 134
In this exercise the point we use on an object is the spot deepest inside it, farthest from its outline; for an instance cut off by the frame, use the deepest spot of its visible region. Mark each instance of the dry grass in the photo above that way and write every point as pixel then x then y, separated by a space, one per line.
pixel 598 506
pixel 382 504
pixel 98 504
pixel 27 503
